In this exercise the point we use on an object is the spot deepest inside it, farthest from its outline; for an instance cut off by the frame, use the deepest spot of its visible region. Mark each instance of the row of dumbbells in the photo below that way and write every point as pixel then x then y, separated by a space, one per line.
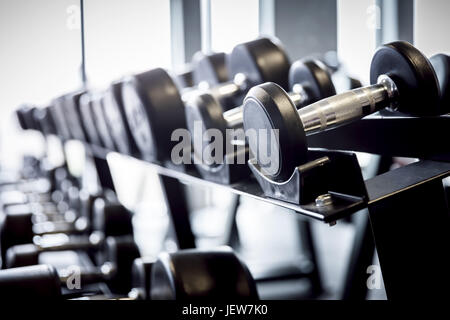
pixel 42 121
pixel 35 222
pixel 148 107
pixel 138 114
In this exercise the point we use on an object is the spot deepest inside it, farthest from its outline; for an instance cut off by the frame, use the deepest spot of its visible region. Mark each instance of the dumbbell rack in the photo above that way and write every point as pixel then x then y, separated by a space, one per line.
pixel 408 209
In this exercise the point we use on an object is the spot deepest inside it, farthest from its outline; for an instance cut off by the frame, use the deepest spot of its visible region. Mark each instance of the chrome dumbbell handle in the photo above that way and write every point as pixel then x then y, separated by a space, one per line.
pixel 348 106
pixel 95 240
pixel 222 90
pixel 234 118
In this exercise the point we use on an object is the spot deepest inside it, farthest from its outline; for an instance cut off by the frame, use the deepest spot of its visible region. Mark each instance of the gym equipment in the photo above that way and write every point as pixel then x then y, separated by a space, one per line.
pixel 45 120
pixel 209 69
pixel 57 113
pixel 114 113
pixel 110 219
pixel 25 116
pixel 402 78
pixel 95 120
pixel 141 278
pixel 441 65
pixel 184 79
pixel 44 281
pixel 201 275
pixel 72 114
pixel 155 108
pixel 309 80
pixel 88 118
pixel 118 135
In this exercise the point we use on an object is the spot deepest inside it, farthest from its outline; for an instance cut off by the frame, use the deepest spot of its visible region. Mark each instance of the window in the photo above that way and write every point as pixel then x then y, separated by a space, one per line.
pixel 39 58
pixel 124 37
pixel 233 22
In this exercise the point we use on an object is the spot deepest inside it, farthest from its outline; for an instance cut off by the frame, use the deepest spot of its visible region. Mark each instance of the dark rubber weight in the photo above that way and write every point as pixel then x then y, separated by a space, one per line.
pixel 441 64
pixel 154 109
pixel 116 119
pixel 122 251
pixel 201 275
pixel 15 228
pixel 57 110
pixel 73 116
pixel 260 61
pixel 413 75
pixel 141 276
pixel 33 282
pixel 45 120
pixel 87 117
pixel 314 78
pixel 209 68
pixel 269 107
pixel 207 110
pixel 101 124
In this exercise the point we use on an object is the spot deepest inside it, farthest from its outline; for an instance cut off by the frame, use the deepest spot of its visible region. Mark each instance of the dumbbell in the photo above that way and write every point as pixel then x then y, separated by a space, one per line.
pixel 25 116
pixel 44 281
pixel 92 111
pixel 65 111
pixel 309 81
pixel 209 69
pixel 184 79
pixel 192 274
pixel 201 275
pixel 114 113
pixel 441 65
pixel 402 78
pixel 155 109
pixel 79 219
pixel 104 117
pixel 43 120
pixel 110 219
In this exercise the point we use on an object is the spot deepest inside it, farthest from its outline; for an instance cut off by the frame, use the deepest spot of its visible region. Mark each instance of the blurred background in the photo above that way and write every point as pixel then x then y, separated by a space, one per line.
pixel 40 58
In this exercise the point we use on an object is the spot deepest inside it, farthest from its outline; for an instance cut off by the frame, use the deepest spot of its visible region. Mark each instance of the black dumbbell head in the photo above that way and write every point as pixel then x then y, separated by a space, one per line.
pixel 141 277
pixel 209 68
pixel 21 118
pixel 204 112
pixel 22 255
pixel 314 77
pixel 58 112
pixel 98 114
pixel 154 109
pixel 45 121
pixel 184 79
pixel 274 131
pixel 116 118
pixel 25 117
pixel 441 65
pixel 33 282
pixel 260 60
pixel 112 219
pixel 413 75
pixel 15 227
pixel 121 252
pixel 72 115
pixel 87 117
pixel 201 275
